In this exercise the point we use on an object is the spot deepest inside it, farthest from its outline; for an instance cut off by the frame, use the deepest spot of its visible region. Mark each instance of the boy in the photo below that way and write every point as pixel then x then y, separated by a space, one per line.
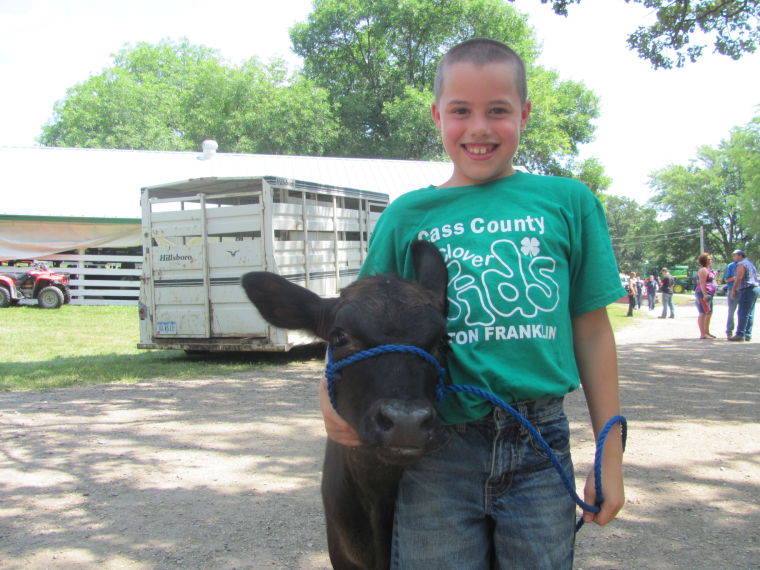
pixel 530 274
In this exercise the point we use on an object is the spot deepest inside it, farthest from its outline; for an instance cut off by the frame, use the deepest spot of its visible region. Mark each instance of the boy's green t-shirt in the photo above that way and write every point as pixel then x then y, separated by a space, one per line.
pixel 524 254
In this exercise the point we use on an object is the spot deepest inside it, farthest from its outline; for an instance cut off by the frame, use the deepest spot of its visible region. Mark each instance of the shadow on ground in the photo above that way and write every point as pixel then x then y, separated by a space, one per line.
pixel 221 473
pixel 692 463
pixel 224 472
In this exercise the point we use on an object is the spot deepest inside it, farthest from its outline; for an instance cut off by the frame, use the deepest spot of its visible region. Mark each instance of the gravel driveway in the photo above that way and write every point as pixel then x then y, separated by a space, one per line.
pixel 224 472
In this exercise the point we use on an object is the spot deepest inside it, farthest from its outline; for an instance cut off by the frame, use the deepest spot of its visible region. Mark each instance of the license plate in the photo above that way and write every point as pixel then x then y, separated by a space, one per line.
pixel 166 327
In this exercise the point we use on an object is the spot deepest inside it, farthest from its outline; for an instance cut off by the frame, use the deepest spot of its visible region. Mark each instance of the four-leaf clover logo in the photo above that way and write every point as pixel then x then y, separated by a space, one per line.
pixel 530 246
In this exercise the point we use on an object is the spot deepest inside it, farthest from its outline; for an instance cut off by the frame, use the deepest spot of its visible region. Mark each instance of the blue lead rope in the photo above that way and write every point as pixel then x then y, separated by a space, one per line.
pixel 566 479
pixel 333 368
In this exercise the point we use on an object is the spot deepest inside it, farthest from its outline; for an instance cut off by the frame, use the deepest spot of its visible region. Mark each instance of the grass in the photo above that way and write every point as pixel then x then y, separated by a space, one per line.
pixel 616 313
pixel 79 346
pixel 76 346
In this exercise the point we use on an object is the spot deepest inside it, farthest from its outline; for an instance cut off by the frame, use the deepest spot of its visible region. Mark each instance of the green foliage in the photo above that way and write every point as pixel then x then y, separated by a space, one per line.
pixel 634 231
pixel 365 90
pixel 731 25
pixel 172 96
pixel 591 173
pixel 370 53
pixel 278 114
pixel 715 191
pixel 561 120
pixel 411 127
pixel 377 60
pixel 743 151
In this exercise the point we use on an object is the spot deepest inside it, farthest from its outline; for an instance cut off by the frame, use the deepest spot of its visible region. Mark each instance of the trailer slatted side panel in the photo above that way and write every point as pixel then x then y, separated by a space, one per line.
pixel 201 236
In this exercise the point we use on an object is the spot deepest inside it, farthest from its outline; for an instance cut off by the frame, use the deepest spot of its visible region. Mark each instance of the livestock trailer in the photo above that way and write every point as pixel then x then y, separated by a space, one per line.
pixel 201 235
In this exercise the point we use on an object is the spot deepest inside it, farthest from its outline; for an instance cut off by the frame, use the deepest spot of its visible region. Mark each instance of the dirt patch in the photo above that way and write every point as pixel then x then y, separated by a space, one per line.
pixel 224 473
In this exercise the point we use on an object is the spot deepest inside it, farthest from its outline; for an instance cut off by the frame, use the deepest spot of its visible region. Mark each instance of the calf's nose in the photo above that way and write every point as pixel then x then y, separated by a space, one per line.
pixel 403 424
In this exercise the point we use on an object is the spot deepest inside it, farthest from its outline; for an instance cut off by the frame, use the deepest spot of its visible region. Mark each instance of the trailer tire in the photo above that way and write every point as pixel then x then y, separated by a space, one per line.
pixel 50 298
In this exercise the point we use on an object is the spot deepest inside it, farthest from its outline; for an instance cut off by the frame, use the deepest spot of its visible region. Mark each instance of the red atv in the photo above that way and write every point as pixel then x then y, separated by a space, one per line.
pixel 49 288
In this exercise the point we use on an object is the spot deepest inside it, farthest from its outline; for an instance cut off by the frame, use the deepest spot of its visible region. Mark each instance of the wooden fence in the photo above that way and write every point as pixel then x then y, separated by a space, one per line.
pixel 110 279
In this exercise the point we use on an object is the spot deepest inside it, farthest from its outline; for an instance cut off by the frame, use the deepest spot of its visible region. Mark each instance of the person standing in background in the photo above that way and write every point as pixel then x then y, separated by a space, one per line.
pixel 651 291
pixel 745 290
pixel 704 295
pixel 667 284
pixel 639 291
pixel 729 274
pixel 632 288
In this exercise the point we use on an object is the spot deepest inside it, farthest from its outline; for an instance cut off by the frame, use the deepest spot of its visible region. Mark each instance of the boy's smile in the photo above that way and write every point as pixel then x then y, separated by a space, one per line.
pixel 480 150
pixel 480 116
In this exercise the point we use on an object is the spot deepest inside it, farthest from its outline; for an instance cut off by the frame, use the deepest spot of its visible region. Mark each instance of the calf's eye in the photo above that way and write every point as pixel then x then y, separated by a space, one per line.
pixel 338 338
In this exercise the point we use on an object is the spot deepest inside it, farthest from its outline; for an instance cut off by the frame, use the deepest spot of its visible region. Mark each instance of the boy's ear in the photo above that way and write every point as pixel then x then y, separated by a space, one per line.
pixel 436 115
pixel 525 113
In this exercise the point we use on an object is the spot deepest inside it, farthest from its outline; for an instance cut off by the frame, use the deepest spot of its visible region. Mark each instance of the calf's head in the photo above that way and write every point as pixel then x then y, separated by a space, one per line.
pixel 388 399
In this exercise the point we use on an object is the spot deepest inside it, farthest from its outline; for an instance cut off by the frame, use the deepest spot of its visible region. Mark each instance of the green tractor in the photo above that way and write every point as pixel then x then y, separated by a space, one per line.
pixel 684 278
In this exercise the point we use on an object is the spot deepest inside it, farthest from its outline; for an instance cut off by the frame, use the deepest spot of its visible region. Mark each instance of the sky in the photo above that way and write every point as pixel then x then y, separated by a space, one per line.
pixel 649 119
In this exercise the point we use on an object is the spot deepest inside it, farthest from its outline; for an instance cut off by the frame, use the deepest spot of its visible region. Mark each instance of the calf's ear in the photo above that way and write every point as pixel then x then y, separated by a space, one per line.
pixel 430 269
pixel 285 304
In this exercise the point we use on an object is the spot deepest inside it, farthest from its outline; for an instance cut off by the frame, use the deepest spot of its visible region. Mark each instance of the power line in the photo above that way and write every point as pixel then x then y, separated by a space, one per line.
pixel 682 232
pixel 641 242
pixel 635 241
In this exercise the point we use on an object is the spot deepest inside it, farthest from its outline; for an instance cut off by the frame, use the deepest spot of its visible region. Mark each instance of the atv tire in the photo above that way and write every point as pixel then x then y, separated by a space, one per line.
pixel 50 298
pixel 5 298
pixel 66 294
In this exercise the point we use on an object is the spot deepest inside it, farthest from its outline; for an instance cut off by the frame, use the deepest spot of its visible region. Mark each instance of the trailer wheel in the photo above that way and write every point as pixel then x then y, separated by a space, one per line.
pixel 5 298
pixel 50 298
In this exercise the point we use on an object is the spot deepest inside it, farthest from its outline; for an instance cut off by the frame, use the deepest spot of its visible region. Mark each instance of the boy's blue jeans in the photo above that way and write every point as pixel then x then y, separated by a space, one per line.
pixel 489 497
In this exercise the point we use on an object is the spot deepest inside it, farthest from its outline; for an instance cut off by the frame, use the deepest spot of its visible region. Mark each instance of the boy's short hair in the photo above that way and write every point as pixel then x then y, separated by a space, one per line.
pixel 482 51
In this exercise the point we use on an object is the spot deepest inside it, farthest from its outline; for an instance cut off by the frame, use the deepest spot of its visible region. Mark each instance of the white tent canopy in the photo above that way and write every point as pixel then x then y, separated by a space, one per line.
pixel 60 199
pixel 33 237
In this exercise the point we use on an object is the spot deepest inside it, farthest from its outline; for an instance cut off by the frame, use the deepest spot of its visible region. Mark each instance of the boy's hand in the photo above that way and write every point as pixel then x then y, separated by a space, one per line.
pixel 612 488
pixel 336 427
pixel 597 365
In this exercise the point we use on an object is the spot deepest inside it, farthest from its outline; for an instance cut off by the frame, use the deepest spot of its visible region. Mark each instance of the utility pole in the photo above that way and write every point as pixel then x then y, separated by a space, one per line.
pixel 701 240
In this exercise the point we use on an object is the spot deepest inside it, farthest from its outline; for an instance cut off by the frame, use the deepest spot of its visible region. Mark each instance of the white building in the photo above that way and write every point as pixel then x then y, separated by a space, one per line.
pixel 81 207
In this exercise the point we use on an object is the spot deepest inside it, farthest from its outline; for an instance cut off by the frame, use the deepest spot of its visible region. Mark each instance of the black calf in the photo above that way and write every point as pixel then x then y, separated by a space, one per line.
pixel 388 399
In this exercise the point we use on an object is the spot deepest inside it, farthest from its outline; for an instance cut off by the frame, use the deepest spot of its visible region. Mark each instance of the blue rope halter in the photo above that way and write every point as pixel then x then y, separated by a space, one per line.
pixel 332 374
pixel 332 369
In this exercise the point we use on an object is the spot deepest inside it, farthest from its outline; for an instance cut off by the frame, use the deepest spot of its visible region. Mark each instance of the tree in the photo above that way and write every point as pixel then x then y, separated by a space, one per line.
pixel 710 190
pixel 171 96
pixel 743 151
pixel 636 234
pixel 591 173
pixel 560 121
pixel 732 26
pixel 377 59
